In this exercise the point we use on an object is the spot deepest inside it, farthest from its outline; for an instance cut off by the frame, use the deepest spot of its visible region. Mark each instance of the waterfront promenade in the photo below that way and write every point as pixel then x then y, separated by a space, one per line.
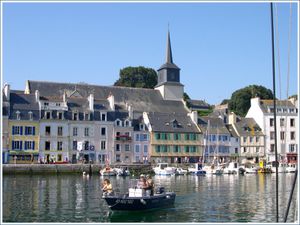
pixel 68 168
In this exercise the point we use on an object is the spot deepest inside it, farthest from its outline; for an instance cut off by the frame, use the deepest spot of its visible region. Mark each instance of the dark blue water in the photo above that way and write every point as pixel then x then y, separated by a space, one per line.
pixel 73 198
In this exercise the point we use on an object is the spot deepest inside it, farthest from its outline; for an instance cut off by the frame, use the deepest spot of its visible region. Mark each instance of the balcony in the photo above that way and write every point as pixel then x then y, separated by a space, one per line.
pixel 122 138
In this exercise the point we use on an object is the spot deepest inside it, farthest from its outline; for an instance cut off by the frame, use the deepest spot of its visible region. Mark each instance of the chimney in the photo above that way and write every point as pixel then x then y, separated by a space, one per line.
pixel 7 91
pixel 65 97
pixel 130 112
pixel 37 96
pixel 91 102
pixel 111 100
pixel 255 101
pixel 232 118
pixel 194 116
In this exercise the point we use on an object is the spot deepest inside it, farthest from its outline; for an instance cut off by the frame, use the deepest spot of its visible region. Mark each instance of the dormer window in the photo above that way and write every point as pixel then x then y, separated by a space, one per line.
pixel 60 115
pixel 103 116
pixel 142 127
pixel 18 114
pixel 86 116
pixel 126 123
pixel 75 115
pixel 30 115
pixel 118 123
pixel 48 115
pixel 46 103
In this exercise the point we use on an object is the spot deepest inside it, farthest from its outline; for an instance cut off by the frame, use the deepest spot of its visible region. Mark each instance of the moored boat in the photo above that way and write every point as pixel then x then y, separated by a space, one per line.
pixel 197 169
pixel 164 169
pixel 137 199
pixel 180 171
pixel 107 171
pixel 231 168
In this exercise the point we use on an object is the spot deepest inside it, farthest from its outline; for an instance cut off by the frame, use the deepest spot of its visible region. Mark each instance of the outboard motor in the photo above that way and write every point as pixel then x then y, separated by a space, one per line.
pixel 160 190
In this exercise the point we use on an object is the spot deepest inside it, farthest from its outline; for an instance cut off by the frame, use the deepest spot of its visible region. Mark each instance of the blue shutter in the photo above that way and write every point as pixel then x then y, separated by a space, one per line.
pixel 25 145
pixel 13 130
pixel 13 145
pixel 21 145
pixel 33 145
pixel 33 131
pixel 26 131
pixel 21 130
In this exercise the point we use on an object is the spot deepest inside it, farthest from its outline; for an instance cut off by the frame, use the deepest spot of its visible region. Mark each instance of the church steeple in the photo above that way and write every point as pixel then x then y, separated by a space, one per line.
pixel 169 58
pixel 168 81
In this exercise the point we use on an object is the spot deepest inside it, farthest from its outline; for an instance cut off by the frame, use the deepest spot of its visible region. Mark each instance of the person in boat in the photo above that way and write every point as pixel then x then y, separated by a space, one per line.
pixel 107 187
pixel 150 184
pixel 142 182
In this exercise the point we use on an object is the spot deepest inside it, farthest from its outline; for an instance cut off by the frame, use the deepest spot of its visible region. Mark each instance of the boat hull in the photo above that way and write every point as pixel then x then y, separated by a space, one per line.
pixel 140 203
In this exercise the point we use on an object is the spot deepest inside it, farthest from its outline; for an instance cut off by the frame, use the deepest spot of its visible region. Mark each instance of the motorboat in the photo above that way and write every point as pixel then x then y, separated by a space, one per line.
pixel 213 170
pixel 291 168
pixel 164 169
pixel 197 169
pixel 138 199
pixel 249 169
pixel 180 171
pixel 122 171
pixel 231 168
pixel 107 171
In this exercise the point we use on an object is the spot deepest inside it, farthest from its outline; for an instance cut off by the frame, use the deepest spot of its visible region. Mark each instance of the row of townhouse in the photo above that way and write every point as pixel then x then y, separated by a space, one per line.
pixel 65 122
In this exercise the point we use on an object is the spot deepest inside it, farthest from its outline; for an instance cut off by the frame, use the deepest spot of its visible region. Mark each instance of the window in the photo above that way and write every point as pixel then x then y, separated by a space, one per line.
pixel 118 158
pixel 86 116
pixel 59 157
pixel 47 145
pixel 127 147
pixel 282 134
pixel 60 115
pixel 257 149
pixel 75 116
pixel 75 131
pixel 74 145
pixel 272 135
pixel 257 139
pixel 292 148
pixel 18 115
pixel 157 148
pixel 292 110
pixel 279 110
pixel 271 110
pixel 48 130
pixel 157 136
pixel 29 145
pixel 137 137
pixel 142 127
pixel 193 149
pixel 176 148
pixel 16 145
pixel 281 122
pixel 103 131
pixel 245 139
pixel 251 139
pixel 272 147
pixel 86 145
pixel 187 137
pixel 59 145
pixel 59 131
pixel 145 148
pixel 186 149
pixel 17 130
pixel 144 137
pixel 119 123
pixel 126 123
pixel 176 136
pixel 103 117
pixel 137 158
pixel 30 115
pixel 86 132
pixel 48 115
pixel 292 122
pixel 271 122
pixel 236 151
pixel 118 147
pixel 137 148
pixel 29 130
pixel 292 135
pixel 244 149
pixel 103 145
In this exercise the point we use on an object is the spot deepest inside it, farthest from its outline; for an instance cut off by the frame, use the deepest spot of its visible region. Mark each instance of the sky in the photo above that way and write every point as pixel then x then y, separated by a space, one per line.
pixel 220 47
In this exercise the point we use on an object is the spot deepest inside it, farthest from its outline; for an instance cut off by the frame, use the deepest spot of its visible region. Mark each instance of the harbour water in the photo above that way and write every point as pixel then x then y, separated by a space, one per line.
pixel 74 198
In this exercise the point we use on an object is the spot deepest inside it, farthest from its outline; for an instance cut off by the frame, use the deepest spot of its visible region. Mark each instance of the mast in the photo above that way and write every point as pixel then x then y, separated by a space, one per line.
pixel 274 105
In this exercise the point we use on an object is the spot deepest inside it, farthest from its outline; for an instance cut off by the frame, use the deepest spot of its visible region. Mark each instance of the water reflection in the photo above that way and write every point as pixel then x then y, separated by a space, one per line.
pixel 73 198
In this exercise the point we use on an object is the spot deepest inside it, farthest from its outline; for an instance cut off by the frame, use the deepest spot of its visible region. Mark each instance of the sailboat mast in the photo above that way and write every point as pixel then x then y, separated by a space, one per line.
pixel 274 106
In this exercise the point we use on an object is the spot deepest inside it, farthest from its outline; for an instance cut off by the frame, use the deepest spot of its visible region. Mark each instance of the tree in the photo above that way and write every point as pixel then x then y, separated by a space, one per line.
pixel 186 96
pixel 140 77
pixel 294 96
pixel 240 99
pixel 225 101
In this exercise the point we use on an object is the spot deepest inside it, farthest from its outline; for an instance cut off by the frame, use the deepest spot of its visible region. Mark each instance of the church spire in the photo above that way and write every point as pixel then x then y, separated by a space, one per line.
pixel 169 58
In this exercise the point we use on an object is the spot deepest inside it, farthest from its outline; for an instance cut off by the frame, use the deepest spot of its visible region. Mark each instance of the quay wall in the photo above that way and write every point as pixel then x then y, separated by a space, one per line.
pixel 135 169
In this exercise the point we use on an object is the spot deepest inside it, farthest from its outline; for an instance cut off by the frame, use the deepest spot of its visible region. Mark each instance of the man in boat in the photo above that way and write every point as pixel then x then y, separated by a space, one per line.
pixel 107 187
pixel 150 184
pixel 142 183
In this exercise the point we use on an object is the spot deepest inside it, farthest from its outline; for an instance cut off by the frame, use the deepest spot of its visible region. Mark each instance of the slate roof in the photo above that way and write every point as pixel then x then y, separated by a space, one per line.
pixel 141 99
pixel 265 103
pixel 216 126
pixel 164 122
pixel 24 103
pixel 248 127
pixel 232 131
